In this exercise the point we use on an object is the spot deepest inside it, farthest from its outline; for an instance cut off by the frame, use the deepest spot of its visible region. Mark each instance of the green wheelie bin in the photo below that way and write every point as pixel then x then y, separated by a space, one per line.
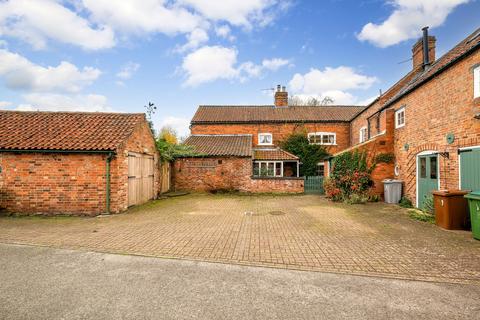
pixel 474 205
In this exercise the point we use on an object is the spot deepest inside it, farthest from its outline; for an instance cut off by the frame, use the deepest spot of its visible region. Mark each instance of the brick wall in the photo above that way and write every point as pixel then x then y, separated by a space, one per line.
pixel 53 183
pixel 280 131
pixel 441 106
pixel 227 173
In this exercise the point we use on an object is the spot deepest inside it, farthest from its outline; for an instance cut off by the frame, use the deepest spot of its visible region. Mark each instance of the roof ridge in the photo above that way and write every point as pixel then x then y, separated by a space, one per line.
pixel 221 135
pixel 272 106
pixel 75 112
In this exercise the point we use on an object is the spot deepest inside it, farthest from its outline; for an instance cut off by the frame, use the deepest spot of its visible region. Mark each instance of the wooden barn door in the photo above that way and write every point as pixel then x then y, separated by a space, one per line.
pixel 140 178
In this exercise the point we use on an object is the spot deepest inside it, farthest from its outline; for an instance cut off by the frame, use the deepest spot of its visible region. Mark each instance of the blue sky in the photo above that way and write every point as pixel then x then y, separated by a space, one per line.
pixel 105 55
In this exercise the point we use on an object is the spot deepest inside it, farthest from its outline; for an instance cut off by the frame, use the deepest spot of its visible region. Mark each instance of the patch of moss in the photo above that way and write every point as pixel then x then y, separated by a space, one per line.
pixel 421 216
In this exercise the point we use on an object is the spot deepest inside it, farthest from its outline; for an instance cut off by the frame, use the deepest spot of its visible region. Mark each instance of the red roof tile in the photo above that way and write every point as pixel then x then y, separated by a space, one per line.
pixel 273 154
pixel 269 114
pixel 72 131
pixel 221 145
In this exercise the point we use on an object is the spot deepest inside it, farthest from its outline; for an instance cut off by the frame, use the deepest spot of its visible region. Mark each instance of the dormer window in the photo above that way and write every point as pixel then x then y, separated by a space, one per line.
pixel 476 82
pixel 265 139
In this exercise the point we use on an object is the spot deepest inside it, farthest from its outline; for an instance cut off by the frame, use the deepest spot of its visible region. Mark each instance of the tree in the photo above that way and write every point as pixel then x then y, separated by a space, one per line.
pixel 150 111
pixel 168 146
pixel 310 154
pixel 310 101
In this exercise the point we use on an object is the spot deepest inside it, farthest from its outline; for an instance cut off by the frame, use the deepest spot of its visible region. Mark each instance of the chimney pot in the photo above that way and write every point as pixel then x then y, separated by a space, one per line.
pixel 281 97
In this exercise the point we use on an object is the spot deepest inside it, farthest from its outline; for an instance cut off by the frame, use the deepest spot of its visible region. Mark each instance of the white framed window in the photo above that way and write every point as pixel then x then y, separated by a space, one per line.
pixel 476 82
pixel 400 117
pixel 265 139
pixel 323 138
pixel 363 134
pixel 268 169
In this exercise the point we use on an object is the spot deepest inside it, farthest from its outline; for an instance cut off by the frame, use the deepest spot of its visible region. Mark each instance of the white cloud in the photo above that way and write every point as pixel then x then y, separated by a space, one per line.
pixel 38 21
pixel 330 82
pixel 225 32
pixel 194 40
pixel 146 16
pixel 275 63
pixel 60 102
pixel 407 19
pixel 367 101
pixel 180 125
pixel 238 13
pixel 20 73
pixel 128 70
pixel 208 64
pixel 4 104
pixel 211 63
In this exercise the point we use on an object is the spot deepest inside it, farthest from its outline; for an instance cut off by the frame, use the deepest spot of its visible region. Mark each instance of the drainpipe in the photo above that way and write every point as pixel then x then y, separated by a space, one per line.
pixel 107 194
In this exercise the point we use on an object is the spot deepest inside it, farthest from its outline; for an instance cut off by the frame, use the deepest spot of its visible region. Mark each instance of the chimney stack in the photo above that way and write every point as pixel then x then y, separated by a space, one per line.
pixel 281 97
pixel 423 51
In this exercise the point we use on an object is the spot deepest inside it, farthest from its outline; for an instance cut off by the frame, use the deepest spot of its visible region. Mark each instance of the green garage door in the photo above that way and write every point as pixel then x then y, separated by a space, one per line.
pixel 470 169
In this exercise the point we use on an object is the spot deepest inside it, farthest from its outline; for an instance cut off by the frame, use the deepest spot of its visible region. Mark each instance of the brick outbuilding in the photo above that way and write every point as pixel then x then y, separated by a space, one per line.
pixel 75 163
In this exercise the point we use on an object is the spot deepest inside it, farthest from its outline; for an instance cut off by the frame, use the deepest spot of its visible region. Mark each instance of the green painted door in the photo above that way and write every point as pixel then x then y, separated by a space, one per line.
pixel 470 169
pixel 427 177
pixel 313 184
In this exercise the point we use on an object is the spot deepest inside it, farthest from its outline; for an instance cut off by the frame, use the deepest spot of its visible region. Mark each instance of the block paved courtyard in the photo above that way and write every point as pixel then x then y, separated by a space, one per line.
pixel 304 232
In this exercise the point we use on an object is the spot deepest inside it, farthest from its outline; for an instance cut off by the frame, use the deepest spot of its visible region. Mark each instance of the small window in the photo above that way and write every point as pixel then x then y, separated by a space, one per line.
pixel 323 138
pixel 268 169
pixel 423 167
pixel 400 118
pixel 433 168
pixel 476 82
pixel 321 169
pixel 363 134
pixel 265 139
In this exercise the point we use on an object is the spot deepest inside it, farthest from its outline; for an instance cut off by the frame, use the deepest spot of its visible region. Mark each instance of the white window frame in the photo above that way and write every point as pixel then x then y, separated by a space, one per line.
pixel 476 82
pixel 265 134
pixel 363 134
pixel 321 134
pixel 397 113
pixel 274 168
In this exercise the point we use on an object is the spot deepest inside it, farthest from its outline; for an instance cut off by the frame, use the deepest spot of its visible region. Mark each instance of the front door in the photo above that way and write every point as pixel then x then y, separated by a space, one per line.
pixel 427 176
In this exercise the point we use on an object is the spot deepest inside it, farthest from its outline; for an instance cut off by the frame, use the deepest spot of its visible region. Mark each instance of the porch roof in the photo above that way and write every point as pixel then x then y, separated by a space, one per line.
pixel 273 154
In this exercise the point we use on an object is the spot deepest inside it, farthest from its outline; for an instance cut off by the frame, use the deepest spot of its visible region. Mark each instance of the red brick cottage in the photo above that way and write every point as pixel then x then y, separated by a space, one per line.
pixel 249 136
pixel 429 120
pixel 75 163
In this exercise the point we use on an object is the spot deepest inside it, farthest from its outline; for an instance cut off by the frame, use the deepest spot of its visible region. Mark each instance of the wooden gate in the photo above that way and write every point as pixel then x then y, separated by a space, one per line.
pixel 165 176
pixel 314 184
pixel 140 178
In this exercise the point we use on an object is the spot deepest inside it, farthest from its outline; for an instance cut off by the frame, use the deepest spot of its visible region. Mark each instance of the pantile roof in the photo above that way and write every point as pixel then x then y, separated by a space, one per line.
pixel 272 114
pixel 221 145
pixel 66 131
pixel 273 154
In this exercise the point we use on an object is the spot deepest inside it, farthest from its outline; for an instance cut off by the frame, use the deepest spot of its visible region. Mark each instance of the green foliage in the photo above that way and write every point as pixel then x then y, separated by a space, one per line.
pixel 421 216
pixel 350 179
pixel 384 158
pixel 405 203
pixel 428 206
pixel 310 154
pixel 168 147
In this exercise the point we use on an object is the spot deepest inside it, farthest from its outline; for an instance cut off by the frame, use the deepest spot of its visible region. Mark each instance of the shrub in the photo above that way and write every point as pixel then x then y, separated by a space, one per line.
pixel 405 203
pixel 428 206
pixel 310 154
pixel 350 179
pixel 384 158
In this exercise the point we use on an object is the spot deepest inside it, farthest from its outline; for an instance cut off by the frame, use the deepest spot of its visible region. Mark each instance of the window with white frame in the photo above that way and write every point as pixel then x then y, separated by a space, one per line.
pixel 476 82
pixel 363 134
pixel 265 139
pixel 324 138
pixel 268 169
pixel 320 169
pixel 400 117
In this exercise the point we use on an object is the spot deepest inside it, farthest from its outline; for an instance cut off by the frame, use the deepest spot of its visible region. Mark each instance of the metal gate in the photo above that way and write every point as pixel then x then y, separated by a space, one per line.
pixel 140 178
pixel 314 184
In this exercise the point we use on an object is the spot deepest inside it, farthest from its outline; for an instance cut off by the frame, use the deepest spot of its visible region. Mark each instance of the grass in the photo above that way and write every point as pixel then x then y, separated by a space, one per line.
pixel 421 216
